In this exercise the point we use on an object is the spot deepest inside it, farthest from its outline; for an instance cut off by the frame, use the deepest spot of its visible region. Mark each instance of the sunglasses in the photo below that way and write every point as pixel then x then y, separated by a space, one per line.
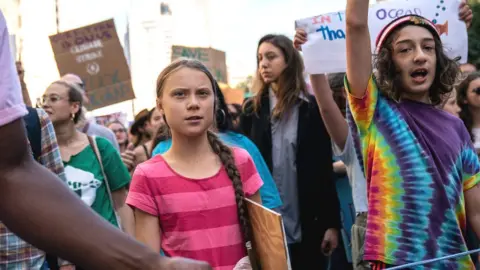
pixel 121 130
pixel 51 99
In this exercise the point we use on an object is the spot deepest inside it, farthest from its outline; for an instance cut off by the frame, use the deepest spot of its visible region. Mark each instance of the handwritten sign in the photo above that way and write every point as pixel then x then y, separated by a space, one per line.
pixel 213 59
pixel 95 54
pixel 324 51
pixel 108 118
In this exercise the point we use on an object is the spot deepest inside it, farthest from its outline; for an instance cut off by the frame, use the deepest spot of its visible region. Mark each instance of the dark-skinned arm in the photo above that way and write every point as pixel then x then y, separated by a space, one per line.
pixel 37 206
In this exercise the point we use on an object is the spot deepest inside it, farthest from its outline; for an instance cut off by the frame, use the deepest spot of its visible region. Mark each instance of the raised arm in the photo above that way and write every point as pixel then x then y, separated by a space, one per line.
pixel 359 54
pixel 333 119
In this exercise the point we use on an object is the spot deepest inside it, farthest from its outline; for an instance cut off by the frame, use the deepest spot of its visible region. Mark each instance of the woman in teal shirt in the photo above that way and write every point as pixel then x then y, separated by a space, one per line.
pixel 268 192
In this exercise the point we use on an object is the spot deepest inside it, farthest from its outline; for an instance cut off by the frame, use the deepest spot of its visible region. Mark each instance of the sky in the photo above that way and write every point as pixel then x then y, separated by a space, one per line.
pixel 238 32
pixel 233 26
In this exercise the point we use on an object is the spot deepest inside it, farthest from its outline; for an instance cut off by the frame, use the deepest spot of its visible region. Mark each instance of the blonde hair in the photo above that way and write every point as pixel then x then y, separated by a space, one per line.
pixel 224 152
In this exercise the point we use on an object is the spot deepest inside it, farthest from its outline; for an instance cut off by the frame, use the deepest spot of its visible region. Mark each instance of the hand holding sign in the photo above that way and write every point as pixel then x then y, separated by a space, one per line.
pixel 299 39
pixel 466 13
pixel 94 53
pixel 325 49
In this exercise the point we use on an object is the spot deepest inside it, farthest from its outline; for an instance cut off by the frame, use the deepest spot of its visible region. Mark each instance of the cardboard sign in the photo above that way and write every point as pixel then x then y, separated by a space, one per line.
pixel 213 59
pixel 95 54
pixel 269 240
pixel 325 52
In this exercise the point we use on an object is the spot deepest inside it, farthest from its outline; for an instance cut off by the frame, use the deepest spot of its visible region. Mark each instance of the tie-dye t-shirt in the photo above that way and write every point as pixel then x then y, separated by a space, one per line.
pixel 418 161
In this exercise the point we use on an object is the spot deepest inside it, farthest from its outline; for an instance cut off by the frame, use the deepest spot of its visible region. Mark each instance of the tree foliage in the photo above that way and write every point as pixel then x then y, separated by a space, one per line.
pixel 245 85
pixel 474 36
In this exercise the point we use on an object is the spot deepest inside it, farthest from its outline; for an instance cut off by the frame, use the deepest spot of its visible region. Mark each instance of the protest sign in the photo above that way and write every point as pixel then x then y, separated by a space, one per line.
pixel 108 118
pixel 269 241
pixel 95 54
pixel 213 59
pixel 324 51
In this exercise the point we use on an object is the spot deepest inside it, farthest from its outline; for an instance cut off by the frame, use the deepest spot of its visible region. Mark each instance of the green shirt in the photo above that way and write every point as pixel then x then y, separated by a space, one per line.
pixel 84 177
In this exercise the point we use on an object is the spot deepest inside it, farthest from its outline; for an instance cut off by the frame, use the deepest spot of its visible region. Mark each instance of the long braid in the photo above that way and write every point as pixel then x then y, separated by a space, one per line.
pixel 226 157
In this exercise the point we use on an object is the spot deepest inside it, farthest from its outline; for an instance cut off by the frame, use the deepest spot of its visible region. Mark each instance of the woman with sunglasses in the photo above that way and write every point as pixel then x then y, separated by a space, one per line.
pixel 99 181
pixel 469 102
pixel 121 134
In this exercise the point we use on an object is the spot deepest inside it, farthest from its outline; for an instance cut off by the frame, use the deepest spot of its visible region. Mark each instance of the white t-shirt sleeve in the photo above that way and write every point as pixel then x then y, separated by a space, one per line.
pixel 347 154
pixel 11 101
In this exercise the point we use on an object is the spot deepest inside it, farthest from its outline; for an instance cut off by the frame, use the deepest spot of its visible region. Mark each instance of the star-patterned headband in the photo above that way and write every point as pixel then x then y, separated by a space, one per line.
pixel 401 21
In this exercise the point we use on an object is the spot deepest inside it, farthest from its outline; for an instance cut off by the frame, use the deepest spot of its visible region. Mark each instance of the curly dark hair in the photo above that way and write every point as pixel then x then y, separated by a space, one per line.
pixel 462 90
pixel 336 82
pixel 389 81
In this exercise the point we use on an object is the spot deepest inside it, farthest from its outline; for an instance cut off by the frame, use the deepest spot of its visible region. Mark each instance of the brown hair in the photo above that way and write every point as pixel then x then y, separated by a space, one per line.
pixel 218 147
pixel 137 129
pixel 336 82
pixel 388 79
pixel 291 82
pixel 462 90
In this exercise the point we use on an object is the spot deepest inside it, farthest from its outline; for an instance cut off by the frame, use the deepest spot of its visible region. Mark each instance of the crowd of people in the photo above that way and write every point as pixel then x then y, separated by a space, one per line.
pixel 167 192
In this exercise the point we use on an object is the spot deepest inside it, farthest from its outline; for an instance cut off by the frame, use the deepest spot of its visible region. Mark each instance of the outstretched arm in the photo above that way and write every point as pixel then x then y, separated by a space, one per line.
pixel 359 54
pixel 53 218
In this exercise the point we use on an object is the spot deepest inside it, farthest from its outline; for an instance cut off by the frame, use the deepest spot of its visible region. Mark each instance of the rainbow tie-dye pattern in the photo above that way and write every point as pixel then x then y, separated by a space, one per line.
pixel 418 161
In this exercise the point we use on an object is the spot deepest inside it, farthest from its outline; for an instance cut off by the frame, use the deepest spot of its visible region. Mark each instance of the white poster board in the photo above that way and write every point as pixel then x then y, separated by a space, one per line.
pixel 324 51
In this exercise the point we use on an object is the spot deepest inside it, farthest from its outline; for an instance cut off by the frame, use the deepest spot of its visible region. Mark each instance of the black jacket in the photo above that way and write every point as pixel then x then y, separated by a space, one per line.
pixel 317 195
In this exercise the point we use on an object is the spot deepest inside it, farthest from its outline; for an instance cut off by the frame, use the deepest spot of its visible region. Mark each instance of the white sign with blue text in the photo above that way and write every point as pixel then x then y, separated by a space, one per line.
pixel 324 52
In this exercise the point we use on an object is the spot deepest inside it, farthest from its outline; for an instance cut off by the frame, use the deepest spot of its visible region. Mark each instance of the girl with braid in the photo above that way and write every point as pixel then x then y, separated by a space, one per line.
pixel 189 201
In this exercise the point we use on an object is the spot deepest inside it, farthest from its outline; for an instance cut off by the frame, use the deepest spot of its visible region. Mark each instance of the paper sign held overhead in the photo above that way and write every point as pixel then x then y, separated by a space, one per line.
pixel 95 54
pixel 325 50
pixel 213 59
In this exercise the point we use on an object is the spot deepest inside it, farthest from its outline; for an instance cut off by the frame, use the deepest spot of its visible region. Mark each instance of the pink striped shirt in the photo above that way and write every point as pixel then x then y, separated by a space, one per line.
pixel 198 218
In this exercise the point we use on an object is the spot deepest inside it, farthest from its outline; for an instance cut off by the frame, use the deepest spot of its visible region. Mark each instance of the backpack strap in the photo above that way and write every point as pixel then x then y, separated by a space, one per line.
pixel 34 132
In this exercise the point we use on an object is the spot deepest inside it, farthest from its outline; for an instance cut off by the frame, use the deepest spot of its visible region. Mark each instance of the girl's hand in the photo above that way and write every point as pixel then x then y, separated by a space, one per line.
pixel 465 13
pixel 300 39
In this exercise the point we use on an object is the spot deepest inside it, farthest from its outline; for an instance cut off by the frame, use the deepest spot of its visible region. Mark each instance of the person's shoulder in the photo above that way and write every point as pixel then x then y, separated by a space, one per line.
pixel 155 165
pixel 41 112
pixel 310 99
pixel 99 129
pixel 102 142
pixel 241 156
pixel 241 140
pixel 162 147
pixel 449 120
pixel 231 135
